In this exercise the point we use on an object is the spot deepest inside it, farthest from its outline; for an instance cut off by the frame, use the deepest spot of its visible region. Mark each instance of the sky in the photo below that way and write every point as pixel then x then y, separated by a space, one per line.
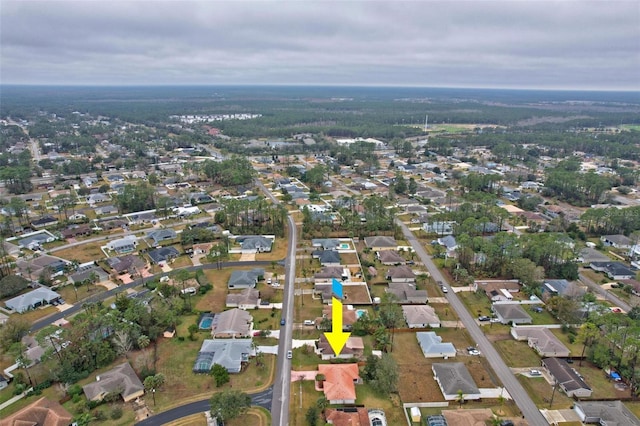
pixel 582 45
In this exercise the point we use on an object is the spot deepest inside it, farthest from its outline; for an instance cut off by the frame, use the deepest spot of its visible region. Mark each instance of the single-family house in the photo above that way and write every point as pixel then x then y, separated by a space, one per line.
pixel 562 288
pixel 245 278
pixel 249 298
pixel 406 293
pixel 438 228
pixel 4 382
pixel 327 257
pixel 232 354
pixel 157 236
pixel 123 245
pixel 349 316
pixel 43 264
pixel 43 222
pixel 339 382
pixel 234 323
pixel 449 243
pixel 354 416
pixel 567 378
pixel 88 272
pixel 420 316
pixel 605 413
pixel 433 347
pixel 453 377
pixel 105 210
pixel 121 379
pixel 328 273
pixel 511 313
pixel 93 199
pixel 38 297
pixel 34 240
pixel 401 274
pixel 254 243
pixel 381 243
pixel 42 412
pixel 497 290
pixel 126 264
pixel 542 340
pixel 326 243
pixel 614 270
pixel 390 257
pixel 76 231
pixel 354 348
pixel 163 254
pixel 618 241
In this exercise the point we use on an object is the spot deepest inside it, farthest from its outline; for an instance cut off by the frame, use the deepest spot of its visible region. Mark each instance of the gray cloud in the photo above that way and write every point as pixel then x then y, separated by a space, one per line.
pixel 537 44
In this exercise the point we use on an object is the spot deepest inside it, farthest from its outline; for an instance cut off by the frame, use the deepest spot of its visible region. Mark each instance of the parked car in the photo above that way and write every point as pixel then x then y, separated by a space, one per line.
pixel 484 318
pixel 535 373
pixel 282 321
pixel 473 351
pixel 444 289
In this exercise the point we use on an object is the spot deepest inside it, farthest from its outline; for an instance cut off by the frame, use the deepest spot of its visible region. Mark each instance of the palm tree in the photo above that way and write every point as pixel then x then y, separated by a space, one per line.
pixel 460 397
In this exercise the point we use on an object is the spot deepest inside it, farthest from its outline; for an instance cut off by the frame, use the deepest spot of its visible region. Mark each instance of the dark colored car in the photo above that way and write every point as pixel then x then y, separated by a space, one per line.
pixel 282 321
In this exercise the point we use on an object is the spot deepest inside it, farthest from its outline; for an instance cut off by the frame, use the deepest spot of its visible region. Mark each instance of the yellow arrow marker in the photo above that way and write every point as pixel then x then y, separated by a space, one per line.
pixel 336 338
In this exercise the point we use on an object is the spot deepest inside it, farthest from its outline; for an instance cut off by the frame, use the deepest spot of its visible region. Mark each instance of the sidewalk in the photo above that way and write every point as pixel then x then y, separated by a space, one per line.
pixel 14 399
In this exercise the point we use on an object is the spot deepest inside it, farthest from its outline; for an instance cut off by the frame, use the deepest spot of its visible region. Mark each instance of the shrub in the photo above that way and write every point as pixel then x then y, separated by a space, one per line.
pixel 74 390
pixel 99 415
pixel 116 413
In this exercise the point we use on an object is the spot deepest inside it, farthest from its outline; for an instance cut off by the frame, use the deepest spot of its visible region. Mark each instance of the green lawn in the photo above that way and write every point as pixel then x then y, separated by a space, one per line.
pixel 517 354
pixel 541 391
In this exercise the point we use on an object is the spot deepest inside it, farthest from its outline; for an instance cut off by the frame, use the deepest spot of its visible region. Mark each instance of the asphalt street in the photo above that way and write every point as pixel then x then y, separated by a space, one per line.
pixel 611 297
pixel 262 399
pixel 515 389
pixel 282 384
pixel 105 295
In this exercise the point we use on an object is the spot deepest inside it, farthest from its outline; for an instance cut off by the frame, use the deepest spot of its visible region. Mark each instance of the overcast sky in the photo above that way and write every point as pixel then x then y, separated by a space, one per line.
pixel 512 44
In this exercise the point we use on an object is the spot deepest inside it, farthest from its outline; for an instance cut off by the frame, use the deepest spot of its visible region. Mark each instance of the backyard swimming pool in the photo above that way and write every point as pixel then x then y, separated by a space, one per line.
pixel 344 246
pixel 360 312
pixel 205 322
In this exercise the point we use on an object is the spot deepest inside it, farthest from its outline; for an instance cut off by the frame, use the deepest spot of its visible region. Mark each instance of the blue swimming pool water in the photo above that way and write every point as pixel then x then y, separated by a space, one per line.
pixel 205 323
pixel 360 312
pixel 344 246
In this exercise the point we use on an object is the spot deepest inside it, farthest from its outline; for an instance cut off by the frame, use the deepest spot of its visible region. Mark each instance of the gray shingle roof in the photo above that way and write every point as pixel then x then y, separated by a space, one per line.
pixel 230 353
pixel 454 376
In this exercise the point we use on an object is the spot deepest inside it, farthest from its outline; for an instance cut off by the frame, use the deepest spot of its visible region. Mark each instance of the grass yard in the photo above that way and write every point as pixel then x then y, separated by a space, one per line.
pixel 278 250
pixel 255 416
pixel 198 419
pixel 597 380
pixel 69 294
pixel 540 392
pixel 175 361
pixel 477 302
pixel 634 407
pixel 416 379
pixel 37 314
pixel 540 318
pixel 83 253
pixel 215 299
pixel 304 359
pixel 517 354
pixel 349 258
pixel 266 319
pixel 575 348
pixel 181 262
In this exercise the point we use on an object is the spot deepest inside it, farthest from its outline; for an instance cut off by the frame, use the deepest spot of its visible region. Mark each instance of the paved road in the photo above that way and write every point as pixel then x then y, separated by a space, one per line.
pixel 515 389
pixel 281 386
pixel 604 293
pixel 262 399
pixel 105 295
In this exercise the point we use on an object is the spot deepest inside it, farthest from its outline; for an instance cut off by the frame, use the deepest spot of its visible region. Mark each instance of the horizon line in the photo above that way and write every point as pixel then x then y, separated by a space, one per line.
pixel 313 85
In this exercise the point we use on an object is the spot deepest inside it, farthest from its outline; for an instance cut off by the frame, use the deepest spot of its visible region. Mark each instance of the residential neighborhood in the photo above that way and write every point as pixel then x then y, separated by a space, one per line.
pixel 466 286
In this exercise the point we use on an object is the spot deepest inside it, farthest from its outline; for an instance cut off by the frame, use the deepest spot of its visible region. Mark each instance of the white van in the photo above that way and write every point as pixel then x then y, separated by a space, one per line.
pixel 309 322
